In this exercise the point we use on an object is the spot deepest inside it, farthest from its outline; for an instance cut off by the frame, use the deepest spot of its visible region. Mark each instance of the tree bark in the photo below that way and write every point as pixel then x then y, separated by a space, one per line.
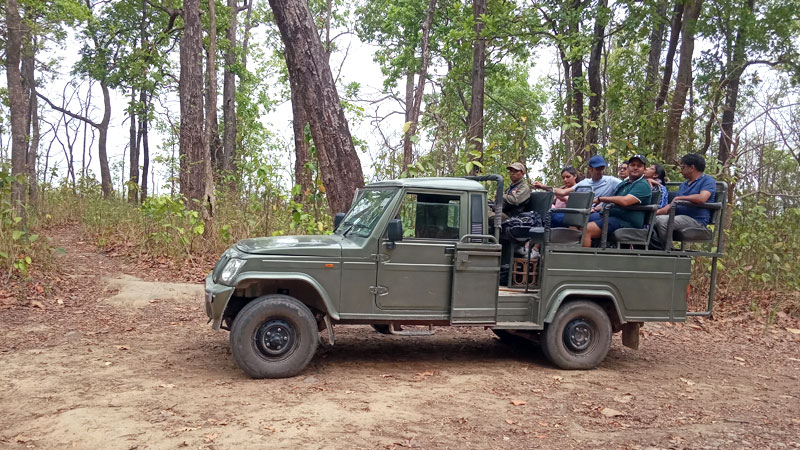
pixel 595 85
pixel 647 135
pixel 735 70
pixel 105 173
pixel 413 118
pixel 143 126
pixel 339 165
pixel 475 118
pixel 228 153
pixel 133 172
pixel 212 140
pixel 19 107
pixel 684 80
pixel 194 160
pixel 407 147
pixel 302 176
pixel 576 76
pixel 674 34
pixel 656 44
pixel 32 120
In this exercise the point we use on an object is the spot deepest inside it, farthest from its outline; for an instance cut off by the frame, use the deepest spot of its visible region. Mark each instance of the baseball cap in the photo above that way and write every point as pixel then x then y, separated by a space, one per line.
pixel 597 161
pixel 516 166
pixel 639 157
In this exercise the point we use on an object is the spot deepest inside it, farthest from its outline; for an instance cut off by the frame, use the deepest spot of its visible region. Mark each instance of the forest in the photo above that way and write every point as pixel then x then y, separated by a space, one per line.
pixel 465 88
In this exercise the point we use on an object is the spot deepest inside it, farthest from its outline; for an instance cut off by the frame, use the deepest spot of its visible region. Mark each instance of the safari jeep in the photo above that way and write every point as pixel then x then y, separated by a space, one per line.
pixel 417 252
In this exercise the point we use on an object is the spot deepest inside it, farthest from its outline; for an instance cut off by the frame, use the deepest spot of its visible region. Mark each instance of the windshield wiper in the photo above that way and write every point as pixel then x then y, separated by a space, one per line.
pixel 355 226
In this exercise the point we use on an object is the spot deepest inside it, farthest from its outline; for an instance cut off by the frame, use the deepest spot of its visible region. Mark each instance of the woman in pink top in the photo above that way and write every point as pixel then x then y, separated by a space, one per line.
pixel 570 178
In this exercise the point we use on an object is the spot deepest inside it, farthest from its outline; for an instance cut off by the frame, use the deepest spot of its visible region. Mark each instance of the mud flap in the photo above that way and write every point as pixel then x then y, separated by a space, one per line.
pixel 630 335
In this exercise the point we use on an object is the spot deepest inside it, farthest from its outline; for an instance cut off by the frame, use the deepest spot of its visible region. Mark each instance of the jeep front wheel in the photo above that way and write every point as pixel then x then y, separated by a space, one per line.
pixel 579 336
pixel 274 336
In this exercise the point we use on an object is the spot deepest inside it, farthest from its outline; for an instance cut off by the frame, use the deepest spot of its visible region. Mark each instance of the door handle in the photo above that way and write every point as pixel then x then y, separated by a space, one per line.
pixel 450 251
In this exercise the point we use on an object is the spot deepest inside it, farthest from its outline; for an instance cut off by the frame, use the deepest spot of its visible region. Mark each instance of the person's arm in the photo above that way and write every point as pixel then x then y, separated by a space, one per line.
pixel 558 191
pixel 621 200
pixel 663 211
pixel 702 197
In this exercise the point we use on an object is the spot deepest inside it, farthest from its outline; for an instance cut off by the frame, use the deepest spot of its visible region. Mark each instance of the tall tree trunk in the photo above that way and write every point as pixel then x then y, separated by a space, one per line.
pixel 566 134
pixel 248 25
pixel 18 103
pixel 226 157
pixel 194 160
pixel 674 33
pixel 413 118
pixel 576 75
pixel 133 177
pixel 339 165
pixel 143 126
pixel 302 176
pixel 647 134
pixel 475 118
pixel 105 173
pixel 595 84
pixel 735 69
pixel 212 140
pixel 684 80
pixel 407 144
pixel 656 45
pixel 32 128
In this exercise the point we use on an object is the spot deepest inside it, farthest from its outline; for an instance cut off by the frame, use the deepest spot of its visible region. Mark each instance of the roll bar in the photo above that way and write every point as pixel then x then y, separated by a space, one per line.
pixel 498 199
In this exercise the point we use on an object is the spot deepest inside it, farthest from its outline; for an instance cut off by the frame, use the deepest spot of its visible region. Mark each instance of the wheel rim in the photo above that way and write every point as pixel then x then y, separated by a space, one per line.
pixel 275 338
pixel 578 335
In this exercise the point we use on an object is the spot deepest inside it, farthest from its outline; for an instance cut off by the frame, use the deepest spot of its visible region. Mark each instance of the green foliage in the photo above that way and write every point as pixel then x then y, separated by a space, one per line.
pixel 171 225
pixel 20 245
pixel 763 247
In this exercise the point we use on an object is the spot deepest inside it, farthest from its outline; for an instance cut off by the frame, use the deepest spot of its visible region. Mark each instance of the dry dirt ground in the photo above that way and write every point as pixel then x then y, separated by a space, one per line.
pixel 110 361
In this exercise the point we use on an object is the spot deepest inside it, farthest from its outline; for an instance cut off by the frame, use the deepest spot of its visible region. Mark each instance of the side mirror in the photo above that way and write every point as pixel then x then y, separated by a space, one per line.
pixel 337 219
pixel 395 230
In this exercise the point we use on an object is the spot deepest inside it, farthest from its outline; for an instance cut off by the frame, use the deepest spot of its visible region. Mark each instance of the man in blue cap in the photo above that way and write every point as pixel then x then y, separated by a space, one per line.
pixel 600 184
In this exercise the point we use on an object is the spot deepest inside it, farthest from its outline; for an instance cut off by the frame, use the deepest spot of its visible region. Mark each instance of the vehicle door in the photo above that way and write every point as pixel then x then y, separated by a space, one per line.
pixel 416 272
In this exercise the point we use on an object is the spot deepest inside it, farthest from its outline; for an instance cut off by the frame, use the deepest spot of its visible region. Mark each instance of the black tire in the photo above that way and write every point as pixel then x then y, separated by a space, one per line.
pixel 579 336
pixel 274 336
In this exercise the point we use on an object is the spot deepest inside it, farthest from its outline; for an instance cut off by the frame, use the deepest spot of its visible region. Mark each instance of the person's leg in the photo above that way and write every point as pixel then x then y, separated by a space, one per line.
pixel 680 223
pixel 660 228
pixel 557 220
pixel 593 229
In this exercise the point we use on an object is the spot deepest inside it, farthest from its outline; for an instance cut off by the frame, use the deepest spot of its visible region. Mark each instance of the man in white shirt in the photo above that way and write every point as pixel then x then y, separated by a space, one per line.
pixel 601 185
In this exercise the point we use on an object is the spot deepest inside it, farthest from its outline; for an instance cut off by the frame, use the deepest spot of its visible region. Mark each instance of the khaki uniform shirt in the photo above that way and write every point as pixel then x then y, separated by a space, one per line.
pixel 517 194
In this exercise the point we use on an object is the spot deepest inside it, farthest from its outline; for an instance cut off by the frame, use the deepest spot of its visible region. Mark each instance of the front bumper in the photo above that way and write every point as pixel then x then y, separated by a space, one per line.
pixel 217 296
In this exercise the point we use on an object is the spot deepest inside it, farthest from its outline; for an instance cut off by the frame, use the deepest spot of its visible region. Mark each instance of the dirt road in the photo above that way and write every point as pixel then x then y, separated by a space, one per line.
pixel 108 360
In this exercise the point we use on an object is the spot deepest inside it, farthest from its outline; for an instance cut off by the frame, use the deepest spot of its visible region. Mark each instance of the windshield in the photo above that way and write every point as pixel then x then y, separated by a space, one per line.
pixel 366 212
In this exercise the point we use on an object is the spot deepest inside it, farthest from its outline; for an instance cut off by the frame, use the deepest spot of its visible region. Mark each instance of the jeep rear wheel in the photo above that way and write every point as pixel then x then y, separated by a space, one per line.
pixel 274 336
pixel 579 336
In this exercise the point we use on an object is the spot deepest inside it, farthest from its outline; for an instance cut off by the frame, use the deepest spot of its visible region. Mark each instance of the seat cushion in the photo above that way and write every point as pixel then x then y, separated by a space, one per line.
pixel 630 235
pixel 694 234
pixel 564 235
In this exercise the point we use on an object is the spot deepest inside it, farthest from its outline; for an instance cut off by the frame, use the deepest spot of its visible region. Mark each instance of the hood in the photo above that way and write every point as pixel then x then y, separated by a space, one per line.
pixel 292 245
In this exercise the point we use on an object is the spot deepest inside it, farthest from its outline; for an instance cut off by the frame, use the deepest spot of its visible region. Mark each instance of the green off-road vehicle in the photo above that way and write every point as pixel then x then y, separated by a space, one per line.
pixel 418 252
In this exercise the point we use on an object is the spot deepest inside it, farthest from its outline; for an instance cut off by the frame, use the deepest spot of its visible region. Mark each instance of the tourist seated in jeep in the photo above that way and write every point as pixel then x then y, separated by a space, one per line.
pixel 634 190
pixel 698 188
pixel 656 175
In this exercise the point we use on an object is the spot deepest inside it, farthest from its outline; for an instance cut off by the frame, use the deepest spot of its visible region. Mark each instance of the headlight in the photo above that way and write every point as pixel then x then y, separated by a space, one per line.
pixel 230 270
